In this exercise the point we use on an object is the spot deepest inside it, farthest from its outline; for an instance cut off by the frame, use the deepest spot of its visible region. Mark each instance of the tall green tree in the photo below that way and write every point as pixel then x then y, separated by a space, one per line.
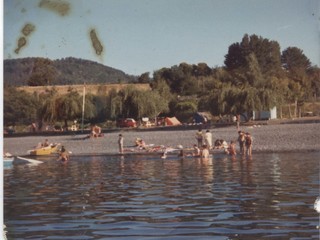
pixel 179 78
pixel 144 78
pixel 297 66
pixel 266 52
pixel 295 61
pixel 314 76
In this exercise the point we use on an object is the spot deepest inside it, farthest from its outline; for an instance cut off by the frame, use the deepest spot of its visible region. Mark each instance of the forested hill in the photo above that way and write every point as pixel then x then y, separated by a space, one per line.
pixel 42 71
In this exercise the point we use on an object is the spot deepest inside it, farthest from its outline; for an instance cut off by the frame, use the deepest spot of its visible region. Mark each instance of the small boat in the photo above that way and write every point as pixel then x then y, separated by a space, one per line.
pixel 23 160
pixel 53 148
pixel 7 162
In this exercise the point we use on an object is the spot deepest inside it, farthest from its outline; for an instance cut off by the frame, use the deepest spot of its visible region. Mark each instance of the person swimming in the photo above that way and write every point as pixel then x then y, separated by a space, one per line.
pixel 196 151
pixel 221 144
pixel 64 155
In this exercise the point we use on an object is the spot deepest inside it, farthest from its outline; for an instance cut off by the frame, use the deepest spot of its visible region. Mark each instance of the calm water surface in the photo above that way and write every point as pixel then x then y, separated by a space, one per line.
pixel 144 197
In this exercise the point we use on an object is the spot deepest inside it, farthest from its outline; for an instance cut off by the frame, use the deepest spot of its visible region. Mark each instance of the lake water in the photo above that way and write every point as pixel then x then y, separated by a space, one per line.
pixel 271 196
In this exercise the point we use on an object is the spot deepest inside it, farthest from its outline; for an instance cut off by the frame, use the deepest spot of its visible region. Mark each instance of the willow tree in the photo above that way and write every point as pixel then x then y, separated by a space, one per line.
pixel 92 106
pixel 162 88
pixel 150 104
pixel 230 99
pixel 18 107
pixel 217 100
pixel 115 103
pixel 281 92
pixel 48 110
pixel 135 103
pixel 69 107
pixel 145 104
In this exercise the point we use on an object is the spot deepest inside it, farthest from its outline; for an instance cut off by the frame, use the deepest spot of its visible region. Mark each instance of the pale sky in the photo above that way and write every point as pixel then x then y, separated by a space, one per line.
pixel 145 35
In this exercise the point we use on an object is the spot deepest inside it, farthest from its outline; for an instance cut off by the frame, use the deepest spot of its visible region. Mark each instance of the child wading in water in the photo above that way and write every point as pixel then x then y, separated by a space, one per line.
pixel 249 144
pixel 242 141
pixel 205 151
pixel 232 148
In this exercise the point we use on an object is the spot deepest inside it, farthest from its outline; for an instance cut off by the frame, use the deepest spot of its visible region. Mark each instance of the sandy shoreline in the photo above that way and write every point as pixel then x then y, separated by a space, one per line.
pixel 266 138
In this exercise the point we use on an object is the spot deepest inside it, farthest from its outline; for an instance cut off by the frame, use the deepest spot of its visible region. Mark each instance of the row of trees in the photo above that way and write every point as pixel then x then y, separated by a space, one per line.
pixel 51 107
pixel 256 76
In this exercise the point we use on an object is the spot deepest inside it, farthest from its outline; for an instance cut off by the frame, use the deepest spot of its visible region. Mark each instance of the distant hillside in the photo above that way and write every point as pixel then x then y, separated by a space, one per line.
pixel 67 71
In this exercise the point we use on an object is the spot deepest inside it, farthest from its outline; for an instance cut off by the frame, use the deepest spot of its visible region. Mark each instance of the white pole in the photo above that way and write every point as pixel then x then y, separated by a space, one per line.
pixel 83 103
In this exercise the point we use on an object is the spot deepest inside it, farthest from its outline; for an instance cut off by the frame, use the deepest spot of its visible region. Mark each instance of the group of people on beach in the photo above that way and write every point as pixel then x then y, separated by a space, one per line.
pixel 204 142
pixel 204 145
pixel 200 149
pixel 96 131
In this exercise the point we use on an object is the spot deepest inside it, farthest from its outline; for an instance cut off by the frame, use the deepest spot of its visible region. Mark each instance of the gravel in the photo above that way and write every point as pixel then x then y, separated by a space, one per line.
pixel 266 138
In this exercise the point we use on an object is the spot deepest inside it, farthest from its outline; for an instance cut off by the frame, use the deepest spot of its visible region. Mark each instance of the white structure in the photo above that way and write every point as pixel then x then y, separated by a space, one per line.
pixel 265 115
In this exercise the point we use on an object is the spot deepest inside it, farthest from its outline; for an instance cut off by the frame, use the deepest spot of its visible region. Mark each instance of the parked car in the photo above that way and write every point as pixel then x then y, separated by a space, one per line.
pixel 9 130
pixel 127 122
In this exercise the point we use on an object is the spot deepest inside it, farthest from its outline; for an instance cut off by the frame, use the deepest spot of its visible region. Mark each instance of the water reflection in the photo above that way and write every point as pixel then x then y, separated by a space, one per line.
pixel 141 197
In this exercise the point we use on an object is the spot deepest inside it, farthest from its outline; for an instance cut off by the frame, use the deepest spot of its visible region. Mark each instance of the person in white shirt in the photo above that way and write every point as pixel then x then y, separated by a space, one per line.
pixel 208 139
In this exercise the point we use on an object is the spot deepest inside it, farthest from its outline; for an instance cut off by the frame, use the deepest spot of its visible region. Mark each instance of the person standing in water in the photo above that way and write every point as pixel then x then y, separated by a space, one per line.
pixel 199 137
pixel 208 139
pixel 204 151
pixel 232 148
pixel 120 143
pixel 249 144
pixel 242 141
pixel 238 119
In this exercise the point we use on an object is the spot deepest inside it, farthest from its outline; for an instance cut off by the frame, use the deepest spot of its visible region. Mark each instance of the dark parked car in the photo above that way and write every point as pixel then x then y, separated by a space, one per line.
pixel 127 122
pixel 9 130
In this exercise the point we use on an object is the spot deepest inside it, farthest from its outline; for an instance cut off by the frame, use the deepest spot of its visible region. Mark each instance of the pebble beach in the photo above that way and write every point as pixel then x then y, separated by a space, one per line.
pixel 266 138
